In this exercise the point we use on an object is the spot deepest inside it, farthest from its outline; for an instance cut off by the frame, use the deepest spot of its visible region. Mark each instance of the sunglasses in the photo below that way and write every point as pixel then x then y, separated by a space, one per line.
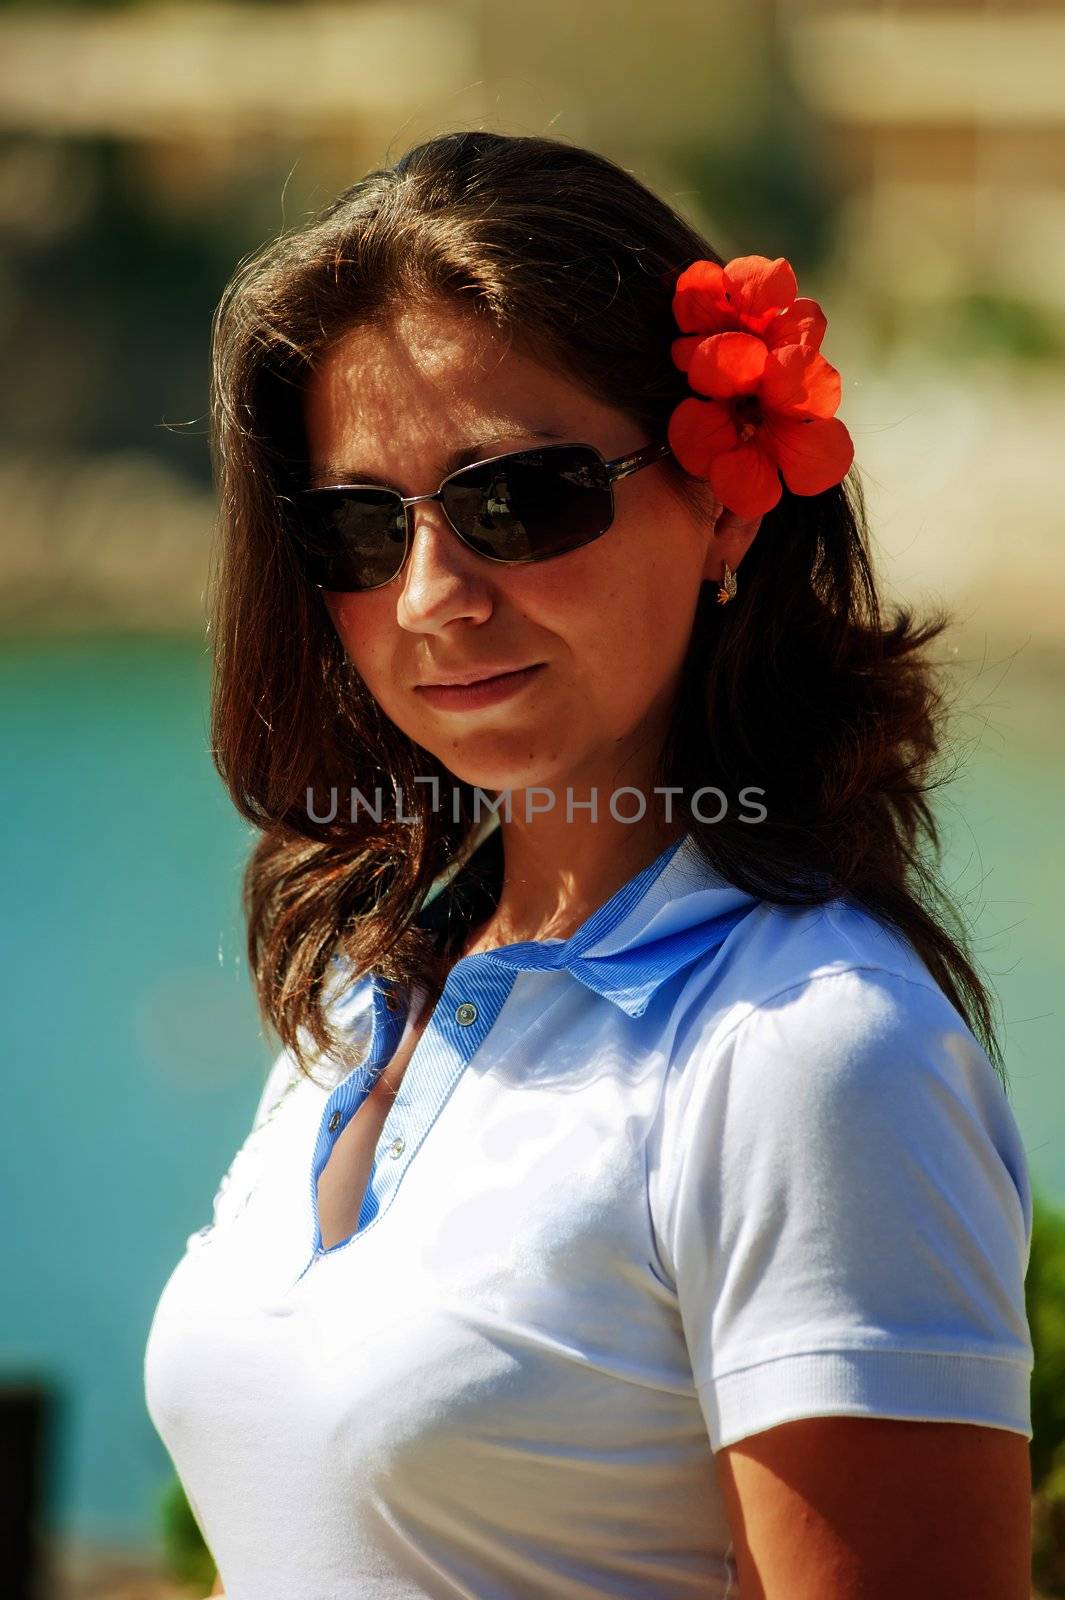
pixel 528 505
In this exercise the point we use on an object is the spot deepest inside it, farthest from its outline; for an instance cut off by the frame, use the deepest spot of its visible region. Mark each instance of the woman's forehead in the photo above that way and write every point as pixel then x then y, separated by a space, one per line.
pixel 434 359
pixel 380 397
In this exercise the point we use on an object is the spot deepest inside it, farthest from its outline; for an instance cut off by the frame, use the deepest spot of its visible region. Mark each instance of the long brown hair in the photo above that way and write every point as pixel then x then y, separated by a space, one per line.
pixel 804 688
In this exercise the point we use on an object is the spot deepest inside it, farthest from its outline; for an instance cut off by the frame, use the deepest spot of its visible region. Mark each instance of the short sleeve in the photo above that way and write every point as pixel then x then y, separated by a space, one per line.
pixel 846 1210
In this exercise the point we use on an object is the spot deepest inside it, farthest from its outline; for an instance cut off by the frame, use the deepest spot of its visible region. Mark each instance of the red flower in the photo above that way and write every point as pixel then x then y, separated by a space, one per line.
pixel 754 351
pixel 750 295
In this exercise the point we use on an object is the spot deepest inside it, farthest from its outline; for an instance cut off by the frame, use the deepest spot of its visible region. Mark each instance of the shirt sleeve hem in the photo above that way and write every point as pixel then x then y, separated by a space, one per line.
pixel 909 1384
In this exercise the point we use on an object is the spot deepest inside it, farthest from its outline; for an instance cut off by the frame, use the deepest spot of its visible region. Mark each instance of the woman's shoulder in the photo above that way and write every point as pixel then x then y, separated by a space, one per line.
pixel 839 1188
pixel 826 983
pixel 825 1044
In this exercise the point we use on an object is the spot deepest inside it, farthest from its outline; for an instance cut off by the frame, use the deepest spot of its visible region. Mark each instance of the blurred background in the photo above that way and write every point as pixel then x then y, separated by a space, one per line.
pixel 907 158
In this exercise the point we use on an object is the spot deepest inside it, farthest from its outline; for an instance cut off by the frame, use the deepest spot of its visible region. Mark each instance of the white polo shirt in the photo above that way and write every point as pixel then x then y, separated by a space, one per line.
pixel 705 1167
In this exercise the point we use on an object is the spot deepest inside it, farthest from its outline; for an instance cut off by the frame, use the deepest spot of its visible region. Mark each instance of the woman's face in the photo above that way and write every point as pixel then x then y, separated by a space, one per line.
pixel 608 624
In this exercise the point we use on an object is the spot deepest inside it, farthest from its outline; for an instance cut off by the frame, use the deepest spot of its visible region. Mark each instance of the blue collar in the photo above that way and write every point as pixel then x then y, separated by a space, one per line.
pixel 665 918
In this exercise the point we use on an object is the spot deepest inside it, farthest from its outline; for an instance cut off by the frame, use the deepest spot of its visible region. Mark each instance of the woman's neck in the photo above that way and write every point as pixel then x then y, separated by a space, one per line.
pixel 555 878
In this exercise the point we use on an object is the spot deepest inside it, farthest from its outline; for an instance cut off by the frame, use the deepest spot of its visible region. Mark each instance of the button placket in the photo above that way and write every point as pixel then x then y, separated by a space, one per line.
pixel 444 1051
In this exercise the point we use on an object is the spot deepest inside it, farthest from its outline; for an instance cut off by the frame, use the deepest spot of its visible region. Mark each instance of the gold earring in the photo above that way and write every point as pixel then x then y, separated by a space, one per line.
pixel 727 588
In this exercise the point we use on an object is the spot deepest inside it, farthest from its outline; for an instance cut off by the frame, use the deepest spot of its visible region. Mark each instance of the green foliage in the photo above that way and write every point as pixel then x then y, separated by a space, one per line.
pixel 989 322
pixel 1045 1303
pixel 1048 1532
pixel 187 1557
pixel 770 187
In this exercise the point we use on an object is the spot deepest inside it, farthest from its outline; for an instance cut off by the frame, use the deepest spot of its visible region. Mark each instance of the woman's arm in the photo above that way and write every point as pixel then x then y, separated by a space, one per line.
pixel 837 1508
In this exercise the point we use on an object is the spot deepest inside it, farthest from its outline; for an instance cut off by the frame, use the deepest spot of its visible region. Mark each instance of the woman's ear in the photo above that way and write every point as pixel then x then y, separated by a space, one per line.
pixel 730 539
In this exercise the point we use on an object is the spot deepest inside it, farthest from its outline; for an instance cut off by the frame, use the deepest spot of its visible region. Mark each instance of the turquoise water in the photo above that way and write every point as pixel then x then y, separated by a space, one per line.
pixel 135 1051
pixel 135 1056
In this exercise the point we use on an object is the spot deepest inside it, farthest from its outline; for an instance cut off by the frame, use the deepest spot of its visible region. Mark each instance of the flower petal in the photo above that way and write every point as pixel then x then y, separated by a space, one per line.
pixel 745 481
pixel 757 285
pixel 681 349
pixel 800 381
pixel 698 431
pixel 803 322
pixel 726 364
pixel 813 454
pixel 698 298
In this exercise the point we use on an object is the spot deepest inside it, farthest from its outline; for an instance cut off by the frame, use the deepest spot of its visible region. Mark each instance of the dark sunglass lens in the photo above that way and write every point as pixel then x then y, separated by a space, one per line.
pixel 351 538
pixel 535 504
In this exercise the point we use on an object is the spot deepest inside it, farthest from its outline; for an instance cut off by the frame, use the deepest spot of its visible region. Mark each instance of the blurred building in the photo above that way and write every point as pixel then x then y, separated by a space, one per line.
pixel 946 120
pixel 907 157
pixel 950 121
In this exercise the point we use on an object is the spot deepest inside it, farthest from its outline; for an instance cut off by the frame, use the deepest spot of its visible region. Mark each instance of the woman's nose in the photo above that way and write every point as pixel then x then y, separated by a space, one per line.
pixel 443 580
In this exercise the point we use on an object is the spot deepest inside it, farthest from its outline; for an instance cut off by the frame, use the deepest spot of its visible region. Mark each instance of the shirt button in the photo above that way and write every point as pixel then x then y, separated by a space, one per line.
pixel 335 1121
pixel 397 1147
pixel 466 1013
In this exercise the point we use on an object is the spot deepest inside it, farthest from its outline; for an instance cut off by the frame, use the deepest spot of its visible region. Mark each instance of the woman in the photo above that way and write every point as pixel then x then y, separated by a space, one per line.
pixel 635 1206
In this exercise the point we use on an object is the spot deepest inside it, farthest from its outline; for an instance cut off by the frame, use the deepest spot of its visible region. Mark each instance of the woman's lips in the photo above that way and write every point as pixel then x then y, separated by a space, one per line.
pixel 488 692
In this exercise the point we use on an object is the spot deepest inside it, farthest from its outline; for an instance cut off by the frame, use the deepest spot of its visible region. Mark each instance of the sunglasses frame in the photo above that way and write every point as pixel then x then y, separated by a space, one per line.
pixel 619 467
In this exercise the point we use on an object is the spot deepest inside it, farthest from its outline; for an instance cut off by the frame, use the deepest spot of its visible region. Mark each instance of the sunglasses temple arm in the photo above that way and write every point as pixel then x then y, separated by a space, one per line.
pixel 644 457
